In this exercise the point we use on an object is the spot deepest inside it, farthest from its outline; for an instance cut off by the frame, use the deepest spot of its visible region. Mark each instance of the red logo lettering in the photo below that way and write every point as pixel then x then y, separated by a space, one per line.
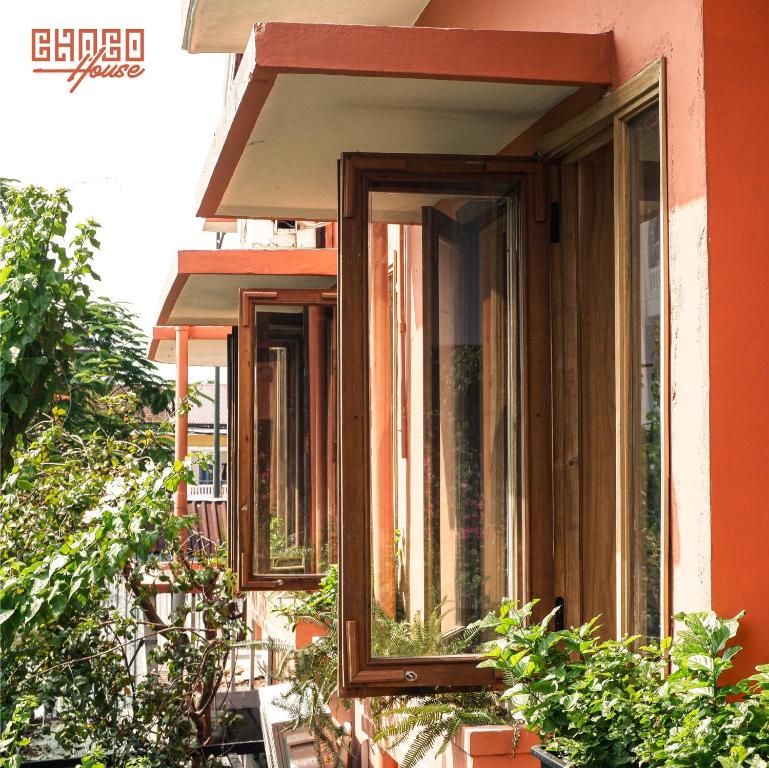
pixel 41 45
pixel 91 53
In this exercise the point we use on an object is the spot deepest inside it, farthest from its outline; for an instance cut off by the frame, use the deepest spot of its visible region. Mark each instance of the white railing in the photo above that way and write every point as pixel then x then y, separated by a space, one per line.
pixel 205 491
pixel 246 665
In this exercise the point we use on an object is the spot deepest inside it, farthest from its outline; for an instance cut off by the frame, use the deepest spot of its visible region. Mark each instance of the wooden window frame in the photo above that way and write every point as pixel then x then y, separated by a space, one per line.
pixel 242 523
pixel 360 674
pixel 609 120
pixel 232 450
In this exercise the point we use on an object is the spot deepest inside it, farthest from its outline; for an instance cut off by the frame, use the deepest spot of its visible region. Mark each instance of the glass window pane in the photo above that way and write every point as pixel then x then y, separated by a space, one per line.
pixel 289 535
pixel 442 390
pixel 647 435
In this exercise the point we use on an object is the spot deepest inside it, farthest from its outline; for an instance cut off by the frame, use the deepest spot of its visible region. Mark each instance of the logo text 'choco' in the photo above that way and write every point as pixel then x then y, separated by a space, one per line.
pixel 89 53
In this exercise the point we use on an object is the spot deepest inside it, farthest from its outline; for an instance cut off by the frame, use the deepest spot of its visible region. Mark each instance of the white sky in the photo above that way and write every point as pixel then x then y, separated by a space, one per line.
pixel 131 151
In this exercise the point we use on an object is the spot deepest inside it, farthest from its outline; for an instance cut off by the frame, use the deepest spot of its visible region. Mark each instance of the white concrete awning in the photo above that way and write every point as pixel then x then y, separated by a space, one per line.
pixel 207 345
pixel 224 26
pixel 204 286
pixel 306 93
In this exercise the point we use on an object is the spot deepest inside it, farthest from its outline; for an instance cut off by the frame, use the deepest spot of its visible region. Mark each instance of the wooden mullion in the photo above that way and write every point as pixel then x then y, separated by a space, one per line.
pixel 566 453
pixel 261 492
pixel 245 402
pixel 536 400
pixel 666 597
pixel 597 423
pixel 232 452
pixel 354 555
pixel 624 337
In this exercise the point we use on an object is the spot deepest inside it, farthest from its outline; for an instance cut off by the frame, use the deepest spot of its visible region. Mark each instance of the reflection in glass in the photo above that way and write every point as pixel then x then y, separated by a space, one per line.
pixel 442 388
pixel 647 442
pixel 291 533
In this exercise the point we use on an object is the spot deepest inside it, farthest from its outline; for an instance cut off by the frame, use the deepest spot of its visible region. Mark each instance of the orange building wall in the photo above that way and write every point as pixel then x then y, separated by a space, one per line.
pixel 643 32
pixel 737 110
pixel 718 75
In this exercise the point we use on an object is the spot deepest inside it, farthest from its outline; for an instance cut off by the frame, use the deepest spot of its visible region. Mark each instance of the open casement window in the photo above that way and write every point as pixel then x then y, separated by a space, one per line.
pixel 444 412
pixel 610 362
pixel 284 531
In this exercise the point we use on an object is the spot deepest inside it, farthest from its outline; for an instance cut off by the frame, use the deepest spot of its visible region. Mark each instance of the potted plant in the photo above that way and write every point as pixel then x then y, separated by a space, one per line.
pixel 601 703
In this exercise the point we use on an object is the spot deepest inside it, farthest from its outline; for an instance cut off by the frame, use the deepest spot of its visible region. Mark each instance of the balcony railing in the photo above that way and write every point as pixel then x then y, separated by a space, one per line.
pixel 205 491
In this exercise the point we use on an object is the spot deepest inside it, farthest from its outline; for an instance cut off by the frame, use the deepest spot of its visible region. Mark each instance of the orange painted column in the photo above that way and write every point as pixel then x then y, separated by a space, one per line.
pixel 180 433
pixel 737 110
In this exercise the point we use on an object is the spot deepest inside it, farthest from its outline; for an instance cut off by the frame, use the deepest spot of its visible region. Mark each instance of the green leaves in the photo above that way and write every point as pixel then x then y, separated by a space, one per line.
pixel 13 732
pixel 701 645
pixel 42 295
pixel 428 723
pixel 81 523
pixel 17 401
pixel 740 757
pixel 111 363
pixel 319 606
pixel 600 703
pixel 57 342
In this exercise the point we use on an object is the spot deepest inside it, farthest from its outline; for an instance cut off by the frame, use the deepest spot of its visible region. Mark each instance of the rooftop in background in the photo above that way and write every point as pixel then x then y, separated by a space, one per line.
pixel 201 417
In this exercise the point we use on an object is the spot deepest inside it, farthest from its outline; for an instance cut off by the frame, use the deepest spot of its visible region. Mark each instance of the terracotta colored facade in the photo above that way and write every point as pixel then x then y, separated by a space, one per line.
pixel 715 105
pixel 736 109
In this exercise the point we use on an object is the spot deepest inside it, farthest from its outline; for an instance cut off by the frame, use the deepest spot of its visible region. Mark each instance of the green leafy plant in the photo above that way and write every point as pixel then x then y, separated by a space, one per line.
pixel 317 607
pixel 312 670
pixel 602 703
pixel 696 718
pixel 43 295
pixel 430 721
pixel 14 732
pixel 85 519
pixel 60 346
pixel 110 359
pixel 594 702
pixel 578 692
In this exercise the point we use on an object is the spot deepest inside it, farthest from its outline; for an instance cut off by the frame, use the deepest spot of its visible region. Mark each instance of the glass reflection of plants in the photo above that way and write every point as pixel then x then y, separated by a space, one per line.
pixel 424 636
pixel 651 489
pixel 461 402
pixel 284 553
pixel 464 414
